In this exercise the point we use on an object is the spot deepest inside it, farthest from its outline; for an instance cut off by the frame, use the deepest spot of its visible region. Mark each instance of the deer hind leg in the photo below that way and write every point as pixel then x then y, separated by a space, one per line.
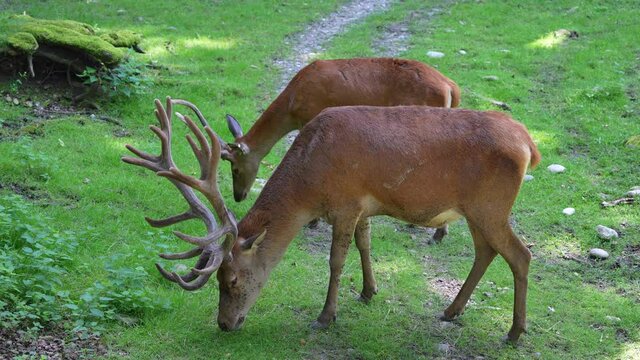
pixel 484 256
pixel 363 243
pixel 439 234
pixel 343 232
pixel 518 257
pixel 488 240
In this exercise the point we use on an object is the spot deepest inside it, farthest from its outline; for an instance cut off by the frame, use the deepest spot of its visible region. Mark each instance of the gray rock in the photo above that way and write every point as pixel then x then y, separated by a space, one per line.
pixel 613 318
pixel 569 211
pixel 598 254
pixel 16 101
pixel 435 54
pixel 556 168
pixel 528 177
pixel 606 233
pixel 634 193
pixel 444 347
pixel 462 52
pixel 490 78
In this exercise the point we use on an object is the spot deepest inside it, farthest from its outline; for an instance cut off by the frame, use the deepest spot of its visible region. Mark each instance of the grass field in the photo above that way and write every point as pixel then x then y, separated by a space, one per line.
pixel 578 97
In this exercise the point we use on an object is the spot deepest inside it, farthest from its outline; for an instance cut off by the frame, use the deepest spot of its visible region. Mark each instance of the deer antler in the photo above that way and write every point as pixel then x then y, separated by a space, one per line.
pixel 211 253
pixel 223 144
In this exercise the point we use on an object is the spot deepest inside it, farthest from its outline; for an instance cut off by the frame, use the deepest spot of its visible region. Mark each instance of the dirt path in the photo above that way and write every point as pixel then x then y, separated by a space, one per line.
pixel 311 41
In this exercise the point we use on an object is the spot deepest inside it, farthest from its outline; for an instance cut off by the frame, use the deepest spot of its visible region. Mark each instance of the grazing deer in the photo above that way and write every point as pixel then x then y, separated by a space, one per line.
pixel 423 165
pixel 328 83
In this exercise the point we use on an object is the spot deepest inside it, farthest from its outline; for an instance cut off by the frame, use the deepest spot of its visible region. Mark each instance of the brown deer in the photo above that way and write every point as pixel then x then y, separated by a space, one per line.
pixel 328 83
pixel 423 165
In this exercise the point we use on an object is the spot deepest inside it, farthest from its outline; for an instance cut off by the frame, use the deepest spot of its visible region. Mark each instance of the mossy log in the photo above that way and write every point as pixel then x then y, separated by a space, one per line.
pixel 71 43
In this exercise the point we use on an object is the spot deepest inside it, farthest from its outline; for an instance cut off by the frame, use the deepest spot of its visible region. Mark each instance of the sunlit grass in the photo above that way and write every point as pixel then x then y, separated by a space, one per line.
pixel 551 40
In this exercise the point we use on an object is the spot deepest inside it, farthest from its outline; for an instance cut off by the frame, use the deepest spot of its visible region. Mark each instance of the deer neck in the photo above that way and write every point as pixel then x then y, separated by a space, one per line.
pixel 272 125
pixel 282 219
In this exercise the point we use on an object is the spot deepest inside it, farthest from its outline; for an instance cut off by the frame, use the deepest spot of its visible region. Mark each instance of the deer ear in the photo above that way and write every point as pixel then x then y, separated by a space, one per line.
pixel 234 126
pixel 253 242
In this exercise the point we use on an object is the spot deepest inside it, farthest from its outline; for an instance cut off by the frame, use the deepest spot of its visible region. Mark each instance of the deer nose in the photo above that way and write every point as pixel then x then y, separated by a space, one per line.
pixel 239 196
pixel 223 326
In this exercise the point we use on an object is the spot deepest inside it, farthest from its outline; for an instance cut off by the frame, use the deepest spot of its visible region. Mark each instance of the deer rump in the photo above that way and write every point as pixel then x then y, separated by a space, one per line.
pixel 410 162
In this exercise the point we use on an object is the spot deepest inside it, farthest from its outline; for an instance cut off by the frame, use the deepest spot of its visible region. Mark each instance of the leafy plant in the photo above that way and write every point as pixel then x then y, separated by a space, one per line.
pixel 32 161
pixel 33 261
pixel 125 79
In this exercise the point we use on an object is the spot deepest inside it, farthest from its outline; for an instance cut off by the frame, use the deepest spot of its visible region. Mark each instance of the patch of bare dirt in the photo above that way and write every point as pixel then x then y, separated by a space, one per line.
pixel 447 288
pixel 317 238
pixel 394 39
pixel 30 193
pixel 50 344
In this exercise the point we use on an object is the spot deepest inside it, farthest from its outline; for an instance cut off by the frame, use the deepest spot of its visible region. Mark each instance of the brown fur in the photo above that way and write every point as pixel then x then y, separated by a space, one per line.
pixel 409 162
pixel 328 83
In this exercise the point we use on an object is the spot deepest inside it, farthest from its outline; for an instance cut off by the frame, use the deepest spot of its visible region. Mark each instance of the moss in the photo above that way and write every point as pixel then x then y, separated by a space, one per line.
pixel 123 38
pixel 26 34
pixel 22 42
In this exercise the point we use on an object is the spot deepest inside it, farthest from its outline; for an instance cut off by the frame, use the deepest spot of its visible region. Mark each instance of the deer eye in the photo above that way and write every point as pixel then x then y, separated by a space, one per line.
pixel 234 281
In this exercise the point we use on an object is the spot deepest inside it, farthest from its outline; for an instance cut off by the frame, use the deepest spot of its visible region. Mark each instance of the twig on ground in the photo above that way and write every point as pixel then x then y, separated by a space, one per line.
pixel 624 200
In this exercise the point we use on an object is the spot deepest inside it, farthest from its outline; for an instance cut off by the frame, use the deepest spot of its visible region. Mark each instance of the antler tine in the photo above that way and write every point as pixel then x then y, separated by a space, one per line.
pixel 201 117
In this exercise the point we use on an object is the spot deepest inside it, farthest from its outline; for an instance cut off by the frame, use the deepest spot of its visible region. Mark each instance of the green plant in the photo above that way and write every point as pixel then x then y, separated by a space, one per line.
pixel 14 86
pixel 33 261
pixel 126 79
pixel 34 162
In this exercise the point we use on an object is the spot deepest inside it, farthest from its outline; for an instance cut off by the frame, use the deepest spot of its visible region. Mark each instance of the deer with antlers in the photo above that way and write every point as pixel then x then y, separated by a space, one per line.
pixel 423 165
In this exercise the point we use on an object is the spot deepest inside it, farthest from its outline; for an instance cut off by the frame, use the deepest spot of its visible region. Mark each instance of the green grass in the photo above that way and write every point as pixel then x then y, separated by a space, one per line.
pixel 578 98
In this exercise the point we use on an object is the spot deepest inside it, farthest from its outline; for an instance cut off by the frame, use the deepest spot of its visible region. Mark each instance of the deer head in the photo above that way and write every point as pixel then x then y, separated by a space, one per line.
pixel 239 272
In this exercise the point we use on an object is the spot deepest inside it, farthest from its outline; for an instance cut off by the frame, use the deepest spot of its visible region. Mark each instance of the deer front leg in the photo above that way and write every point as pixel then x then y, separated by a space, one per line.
pixel 343 231
pixel 363 243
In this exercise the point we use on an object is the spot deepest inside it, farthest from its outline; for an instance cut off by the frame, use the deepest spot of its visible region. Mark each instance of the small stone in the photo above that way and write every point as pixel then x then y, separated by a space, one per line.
pixel 435 54
pixel 556 168
pixel 613 318
pixel 490 78
pixel 598 254
pixel 487 294
pixel 444 347
pixel 8 98
pixel 462 52
pixel 551 309
pixel 634 193
pixel 606 232
pixel 172 28
pixel 446 324
pixel 121 11
pixel 28 103
pixel 569 211
pixel 528 177
pixel 86 180
pixel 537 354
pixel 16 101
pixel 140 19
pixel 635 188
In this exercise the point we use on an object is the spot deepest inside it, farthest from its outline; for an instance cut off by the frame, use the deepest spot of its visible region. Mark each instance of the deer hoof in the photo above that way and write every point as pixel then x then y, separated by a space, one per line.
pixel 507 339
pixel 444 317
pixel 319 325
